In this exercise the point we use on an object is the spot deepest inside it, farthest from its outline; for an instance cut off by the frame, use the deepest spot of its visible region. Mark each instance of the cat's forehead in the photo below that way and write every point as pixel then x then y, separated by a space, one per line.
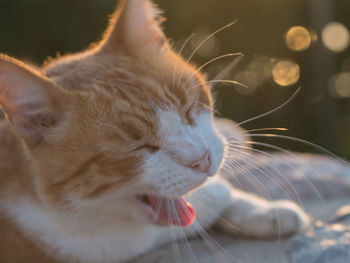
pixel 133 83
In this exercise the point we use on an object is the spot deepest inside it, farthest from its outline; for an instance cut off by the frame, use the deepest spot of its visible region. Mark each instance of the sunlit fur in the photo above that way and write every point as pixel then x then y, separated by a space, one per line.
pixel 89 132
pixel 128 124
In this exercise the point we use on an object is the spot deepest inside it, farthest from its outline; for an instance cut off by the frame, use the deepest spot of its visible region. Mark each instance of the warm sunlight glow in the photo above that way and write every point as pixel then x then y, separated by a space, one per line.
pixel 335 37
pixel 339 85
pixel 286 72
pixel 298 38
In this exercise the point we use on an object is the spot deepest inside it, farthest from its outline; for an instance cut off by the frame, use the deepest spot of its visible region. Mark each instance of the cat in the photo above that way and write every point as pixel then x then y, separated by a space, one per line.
pixel 105 151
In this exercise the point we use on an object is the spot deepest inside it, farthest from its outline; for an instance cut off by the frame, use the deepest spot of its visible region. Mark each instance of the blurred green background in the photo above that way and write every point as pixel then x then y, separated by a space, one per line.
pixel 286 44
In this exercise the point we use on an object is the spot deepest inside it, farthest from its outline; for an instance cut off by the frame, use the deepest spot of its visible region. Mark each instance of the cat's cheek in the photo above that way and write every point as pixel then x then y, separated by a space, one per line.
pixel 217 156
pixel 164 176
pixel 145 211
pixel 215 141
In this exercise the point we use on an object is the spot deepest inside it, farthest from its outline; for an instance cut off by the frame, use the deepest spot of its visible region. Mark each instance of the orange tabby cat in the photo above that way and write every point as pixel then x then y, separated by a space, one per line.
pixel 100 147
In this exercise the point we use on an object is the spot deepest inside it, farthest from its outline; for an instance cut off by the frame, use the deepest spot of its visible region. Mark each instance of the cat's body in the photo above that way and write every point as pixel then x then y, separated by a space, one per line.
pixel 98 150
pixel 44 236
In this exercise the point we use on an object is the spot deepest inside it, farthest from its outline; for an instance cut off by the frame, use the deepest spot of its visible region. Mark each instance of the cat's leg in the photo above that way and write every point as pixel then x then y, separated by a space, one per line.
pixel 255 217
pixel 240 212
pixel 209 202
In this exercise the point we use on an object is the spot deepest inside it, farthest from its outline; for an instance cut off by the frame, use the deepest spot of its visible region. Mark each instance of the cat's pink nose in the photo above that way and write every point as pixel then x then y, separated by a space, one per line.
pixel 202 164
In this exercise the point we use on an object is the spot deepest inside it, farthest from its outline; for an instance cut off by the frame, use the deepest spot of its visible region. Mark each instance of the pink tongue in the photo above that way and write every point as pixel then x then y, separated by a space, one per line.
pixel 172 211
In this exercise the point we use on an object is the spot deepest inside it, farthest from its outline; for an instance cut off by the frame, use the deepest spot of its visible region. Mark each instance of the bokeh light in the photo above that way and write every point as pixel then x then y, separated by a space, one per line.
pixel 210 47
pixel 298 38
pixel 335 36
pixel 286 73
pixel 314 36
pixel 339 85
pixel 249 79
pixel 262 67
pixel 260 33
pixel 254 74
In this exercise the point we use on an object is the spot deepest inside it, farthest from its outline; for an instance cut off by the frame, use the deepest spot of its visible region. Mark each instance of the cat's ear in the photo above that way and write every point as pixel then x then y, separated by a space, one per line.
pixel 31 102
pixel 136 27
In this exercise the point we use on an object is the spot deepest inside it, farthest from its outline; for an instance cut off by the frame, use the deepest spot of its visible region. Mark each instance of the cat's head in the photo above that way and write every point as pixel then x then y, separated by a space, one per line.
pixel 128 119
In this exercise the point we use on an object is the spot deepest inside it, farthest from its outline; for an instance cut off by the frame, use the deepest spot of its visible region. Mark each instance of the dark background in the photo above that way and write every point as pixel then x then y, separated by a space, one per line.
pixel 32 30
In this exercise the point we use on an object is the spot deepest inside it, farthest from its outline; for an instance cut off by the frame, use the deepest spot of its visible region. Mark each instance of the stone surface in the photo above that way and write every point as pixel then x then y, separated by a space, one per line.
pixel 325 244
pixel 221 248
pixel 320 184
pixel 298 177
pixel 342 215
pixel 234 249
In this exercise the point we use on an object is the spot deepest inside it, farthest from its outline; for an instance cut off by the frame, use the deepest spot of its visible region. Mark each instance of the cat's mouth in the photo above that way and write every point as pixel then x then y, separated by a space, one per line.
pixel 167 211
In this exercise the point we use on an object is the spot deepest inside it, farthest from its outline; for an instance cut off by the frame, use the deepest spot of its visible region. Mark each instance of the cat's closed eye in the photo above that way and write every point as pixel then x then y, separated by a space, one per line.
pixel 148 147
pixel 190 117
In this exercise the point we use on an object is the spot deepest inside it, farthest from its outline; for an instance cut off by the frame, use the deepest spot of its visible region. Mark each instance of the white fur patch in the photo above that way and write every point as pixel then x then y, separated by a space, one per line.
pixel 84 238
pixel 167 171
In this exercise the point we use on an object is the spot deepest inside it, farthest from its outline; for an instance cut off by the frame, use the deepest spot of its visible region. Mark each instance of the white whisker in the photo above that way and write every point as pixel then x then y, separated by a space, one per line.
pixel 223 73
pixel 203 42
pixel 211 243
pixel 303 142
pixel 209 62
pixel 233 82
pixel 250 177
pixel 281 175
pixel 291 166
pixel 267 129
pixel 273 110
pixel 177 59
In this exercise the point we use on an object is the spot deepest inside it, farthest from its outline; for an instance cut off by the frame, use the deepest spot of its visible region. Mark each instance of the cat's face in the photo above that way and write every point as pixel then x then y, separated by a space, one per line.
pixel 127 120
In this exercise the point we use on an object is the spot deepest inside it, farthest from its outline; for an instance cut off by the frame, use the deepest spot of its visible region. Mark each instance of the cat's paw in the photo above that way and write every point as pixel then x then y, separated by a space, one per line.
pixel 275 219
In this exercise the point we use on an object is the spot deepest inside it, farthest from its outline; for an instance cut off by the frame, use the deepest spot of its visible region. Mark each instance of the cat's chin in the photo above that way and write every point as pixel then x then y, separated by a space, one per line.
pixel 163 211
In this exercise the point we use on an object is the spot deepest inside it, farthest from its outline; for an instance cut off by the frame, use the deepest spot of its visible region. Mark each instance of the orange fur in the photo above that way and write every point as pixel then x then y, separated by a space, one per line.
pixel 101 110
